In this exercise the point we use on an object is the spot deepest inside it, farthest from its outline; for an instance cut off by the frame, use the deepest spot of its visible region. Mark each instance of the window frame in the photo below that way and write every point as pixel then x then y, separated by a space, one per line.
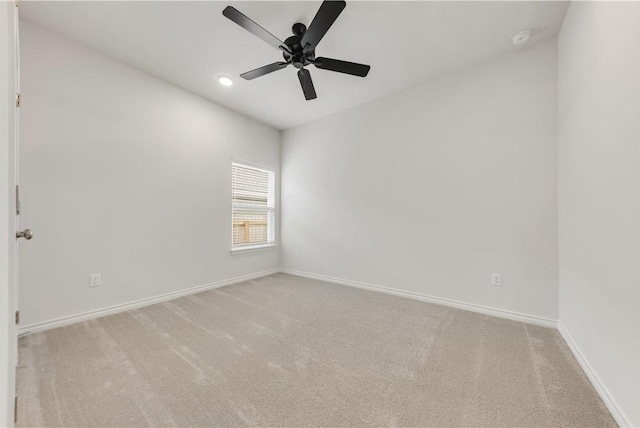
pixel 271 208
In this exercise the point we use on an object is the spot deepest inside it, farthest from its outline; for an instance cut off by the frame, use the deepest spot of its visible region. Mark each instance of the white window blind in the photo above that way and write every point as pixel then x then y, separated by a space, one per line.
pixel 252 193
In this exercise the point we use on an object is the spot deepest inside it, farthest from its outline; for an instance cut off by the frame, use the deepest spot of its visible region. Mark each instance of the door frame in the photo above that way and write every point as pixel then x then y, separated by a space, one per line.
pixel 8 226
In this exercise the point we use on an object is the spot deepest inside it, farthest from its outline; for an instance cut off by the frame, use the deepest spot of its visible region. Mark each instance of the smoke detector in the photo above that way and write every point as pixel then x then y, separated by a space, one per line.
pixel 521 38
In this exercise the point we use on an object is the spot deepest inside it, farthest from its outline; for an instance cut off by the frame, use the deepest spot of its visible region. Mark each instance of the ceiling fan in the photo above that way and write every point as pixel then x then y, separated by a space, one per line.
pixel 299 49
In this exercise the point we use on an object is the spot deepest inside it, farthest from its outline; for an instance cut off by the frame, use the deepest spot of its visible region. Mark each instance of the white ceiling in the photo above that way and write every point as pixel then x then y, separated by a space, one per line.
pixel 190 43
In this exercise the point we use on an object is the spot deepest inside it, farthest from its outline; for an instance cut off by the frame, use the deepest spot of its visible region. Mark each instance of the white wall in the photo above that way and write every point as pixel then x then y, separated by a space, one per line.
pixel 599 193
pixel 7 214
pixel 125 175
pixel 433 189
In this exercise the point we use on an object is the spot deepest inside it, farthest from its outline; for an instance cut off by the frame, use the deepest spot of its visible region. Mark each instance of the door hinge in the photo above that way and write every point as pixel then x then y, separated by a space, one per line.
pixel 16 2
pixel 15 410
pixel 18 100
pixel 17 199
pixel 17 317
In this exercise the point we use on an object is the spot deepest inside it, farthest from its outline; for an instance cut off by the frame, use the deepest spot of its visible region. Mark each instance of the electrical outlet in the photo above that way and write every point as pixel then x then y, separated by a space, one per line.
pixel 496 279
pixel 95 280
pixel 298 254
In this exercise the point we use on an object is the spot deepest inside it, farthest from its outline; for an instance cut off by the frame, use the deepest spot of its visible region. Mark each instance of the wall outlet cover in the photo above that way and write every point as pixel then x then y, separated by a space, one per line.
pixel 95 280
pixel 496 279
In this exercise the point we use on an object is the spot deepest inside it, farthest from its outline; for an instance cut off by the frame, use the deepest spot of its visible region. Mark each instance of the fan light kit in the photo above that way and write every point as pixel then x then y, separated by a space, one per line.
pixel 521 38
pixel 225 81
pixel 299 49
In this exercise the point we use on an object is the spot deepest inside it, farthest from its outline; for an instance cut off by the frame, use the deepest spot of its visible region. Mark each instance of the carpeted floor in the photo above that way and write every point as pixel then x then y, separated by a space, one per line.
pixel 287 351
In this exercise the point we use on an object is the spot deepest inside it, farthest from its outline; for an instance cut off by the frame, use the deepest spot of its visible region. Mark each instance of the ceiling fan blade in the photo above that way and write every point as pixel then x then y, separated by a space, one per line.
pixel 307 84
pixel 249 75
pixel 242 20
pixel 346 67
pixel 324 19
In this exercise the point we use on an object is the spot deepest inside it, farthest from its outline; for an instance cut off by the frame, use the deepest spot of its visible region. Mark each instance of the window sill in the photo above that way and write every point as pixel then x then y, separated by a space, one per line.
pixel 252 248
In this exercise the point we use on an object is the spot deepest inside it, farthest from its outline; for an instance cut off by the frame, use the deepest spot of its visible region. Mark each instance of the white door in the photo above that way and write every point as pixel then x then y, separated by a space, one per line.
pixel 9 88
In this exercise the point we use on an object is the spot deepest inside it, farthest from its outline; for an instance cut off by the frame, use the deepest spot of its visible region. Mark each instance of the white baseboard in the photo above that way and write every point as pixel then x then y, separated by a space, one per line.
pixel 615 411
pixel 97 313
pixel 501 313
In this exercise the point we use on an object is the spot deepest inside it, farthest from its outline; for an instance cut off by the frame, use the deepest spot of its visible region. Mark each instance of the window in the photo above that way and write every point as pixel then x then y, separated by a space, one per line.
pixel 252 199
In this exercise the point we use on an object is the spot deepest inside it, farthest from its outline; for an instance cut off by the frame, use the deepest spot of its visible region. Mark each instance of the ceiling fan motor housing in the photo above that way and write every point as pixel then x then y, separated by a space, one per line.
pixel 298 57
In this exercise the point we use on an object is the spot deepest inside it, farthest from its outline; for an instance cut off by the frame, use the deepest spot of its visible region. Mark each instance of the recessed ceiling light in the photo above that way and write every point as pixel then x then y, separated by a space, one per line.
pixel 521 38
pixel 225 81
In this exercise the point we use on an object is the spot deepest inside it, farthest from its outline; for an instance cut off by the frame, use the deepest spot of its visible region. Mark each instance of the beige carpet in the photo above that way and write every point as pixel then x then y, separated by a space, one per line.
pixel 287 351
